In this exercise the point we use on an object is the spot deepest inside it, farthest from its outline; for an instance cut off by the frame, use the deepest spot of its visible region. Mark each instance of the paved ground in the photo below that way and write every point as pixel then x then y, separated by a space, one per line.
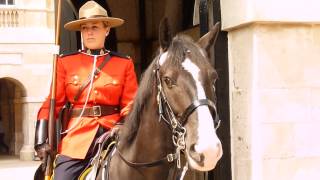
pixel 11 168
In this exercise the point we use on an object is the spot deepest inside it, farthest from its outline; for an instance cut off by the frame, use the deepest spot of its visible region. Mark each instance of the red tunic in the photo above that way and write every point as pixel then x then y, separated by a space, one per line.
pixel 116 84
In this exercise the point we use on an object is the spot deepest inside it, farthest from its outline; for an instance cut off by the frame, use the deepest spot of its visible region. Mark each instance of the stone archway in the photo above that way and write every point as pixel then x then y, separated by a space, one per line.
pixel 11 111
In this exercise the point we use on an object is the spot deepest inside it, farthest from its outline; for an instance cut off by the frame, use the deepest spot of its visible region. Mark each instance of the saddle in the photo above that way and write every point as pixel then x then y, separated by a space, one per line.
pixel 103 148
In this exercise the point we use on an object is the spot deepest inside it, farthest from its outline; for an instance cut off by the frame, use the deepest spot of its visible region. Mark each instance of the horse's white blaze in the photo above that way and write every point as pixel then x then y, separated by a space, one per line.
pixel 208 143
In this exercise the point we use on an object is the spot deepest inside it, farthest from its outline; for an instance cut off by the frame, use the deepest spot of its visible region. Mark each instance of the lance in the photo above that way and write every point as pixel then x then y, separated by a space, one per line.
pixel 52 122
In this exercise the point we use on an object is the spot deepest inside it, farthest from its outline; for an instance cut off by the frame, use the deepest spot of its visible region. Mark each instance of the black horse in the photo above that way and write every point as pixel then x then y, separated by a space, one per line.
pixel 171 126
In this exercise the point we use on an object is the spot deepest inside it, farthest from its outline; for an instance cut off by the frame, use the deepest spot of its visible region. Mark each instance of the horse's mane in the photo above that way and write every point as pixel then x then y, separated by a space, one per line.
pixel 147 86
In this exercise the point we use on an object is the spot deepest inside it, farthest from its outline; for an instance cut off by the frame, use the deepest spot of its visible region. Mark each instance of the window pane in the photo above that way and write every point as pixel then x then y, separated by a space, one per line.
pixel 2 1
pixel 10 2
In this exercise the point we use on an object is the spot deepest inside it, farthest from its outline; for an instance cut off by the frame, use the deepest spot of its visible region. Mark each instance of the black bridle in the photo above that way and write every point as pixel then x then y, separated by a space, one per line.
pixel 175 123
pixel 178 121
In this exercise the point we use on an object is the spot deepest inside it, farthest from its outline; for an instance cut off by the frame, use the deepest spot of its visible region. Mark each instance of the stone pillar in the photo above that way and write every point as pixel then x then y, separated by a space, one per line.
pixel 30 107
pixel 274 50
pixel 27 151
pixel 18 123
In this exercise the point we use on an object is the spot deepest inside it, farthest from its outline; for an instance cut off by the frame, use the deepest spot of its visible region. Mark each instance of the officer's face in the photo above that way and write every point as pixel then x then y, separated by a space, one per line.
pixel 94 34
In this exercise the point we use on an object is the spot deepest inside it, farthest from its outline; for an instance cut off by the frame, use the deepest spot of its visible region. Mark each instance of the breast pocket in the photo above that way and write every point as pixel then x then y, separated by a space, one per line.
pixel 72 84
pixel 113 86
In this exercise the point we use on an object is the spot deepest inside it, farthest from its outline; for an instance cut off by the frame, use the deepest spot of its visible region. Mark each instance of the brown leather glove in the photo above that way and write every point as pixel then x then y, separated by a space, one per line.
pixel 43 151
pixel 41 145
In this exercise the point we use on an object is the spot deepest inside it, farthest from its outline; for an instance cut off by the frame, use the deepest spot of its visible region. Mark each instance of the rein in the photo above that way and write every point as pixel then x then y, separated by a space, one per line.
pixel 168 158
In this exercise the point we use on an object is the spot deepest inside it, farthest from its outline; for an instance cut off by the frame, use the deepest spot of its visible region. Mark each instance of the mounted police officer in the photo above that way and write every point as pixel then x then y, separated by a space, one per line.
pixel 100 86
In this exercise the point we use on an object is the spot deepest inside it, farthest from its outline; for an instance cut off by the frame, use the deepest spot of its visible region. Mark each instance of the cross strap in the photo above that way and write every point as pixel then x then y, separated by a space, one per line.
pixel 167 159
pixel 96 72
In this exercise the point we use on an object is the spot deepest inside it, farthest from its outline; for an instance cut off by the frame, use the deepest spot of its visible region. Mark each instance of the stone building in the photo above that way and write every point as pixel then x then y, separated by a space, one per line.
pixel 27 37
pixel 273 52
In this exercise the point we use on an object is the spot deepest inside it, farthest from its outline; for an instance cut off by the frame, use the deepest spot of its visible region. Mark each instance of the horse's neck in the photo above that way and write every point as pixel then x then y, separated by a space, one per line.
pixel 153 140
pixel 149 145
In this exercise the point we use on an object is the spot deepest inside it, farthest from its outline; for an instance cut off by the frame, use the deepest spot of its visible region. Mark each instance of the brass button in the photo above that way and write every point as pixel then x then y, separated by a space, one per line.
pixel 75 79
pixel 96 76
pixel 95 91
pixel 114 82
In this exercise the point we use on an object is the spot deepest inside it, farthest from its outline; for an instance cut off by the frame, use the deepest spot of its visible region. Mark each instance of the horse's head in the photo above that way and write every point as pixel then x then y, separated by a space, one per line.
pixel 186 94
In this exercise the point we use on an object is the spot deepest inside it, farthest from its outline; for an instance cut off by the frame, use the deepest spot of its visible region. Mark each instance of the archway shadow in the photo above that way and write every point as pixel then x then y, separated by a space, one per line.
pixel 11 113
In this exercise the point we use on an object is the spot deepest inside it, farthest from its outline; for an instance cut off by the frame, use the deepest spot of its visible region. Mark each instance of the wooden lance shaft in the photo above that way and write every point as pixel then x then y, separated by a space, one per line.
pixel 51 126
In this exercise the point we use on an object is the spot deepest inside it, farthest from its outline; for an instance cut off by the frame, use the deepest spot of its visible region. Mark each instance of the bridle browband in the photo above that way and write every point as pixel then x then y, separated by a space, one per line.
pixel 174 122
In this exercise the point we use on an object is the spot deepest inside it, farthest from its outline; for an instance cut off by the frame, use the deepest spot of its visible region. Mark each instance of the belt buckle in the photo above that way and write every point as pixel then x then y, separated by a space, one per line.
pixel 96 111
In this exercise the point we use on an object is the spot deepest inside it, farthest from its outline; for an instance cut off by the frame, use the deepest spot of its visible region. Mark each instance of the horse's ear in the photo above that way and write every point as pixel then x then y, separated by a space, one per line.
pixel 165 36
pixel 210 38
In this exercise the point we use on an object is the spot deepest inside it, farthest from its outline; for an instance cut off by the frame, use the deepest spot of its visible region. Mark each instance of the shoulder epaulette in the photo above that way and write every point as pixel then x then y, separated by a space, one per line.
pixel 69 54
pixel 112 53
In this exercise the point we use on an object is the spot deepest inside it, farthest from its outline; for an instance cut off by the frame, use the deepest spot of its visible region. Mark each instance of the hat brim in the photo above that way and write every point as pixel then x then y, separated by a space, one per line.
pixel 110 22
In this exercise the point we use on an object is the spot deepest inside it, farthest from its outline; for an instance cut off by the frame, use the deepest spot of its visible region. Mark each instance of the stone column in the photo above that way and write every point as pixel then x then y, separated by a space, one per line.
pixel 274 50
pixel 27 151
pixel 18 124
pixel 30 107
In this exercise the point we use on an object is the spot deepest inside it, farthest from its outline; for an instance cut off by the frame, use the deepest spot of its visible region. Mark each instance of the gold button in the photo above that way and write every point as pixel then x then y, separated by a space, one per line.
pixel 75 79
pixel 114 82
pixel 96 76
pixel 95 91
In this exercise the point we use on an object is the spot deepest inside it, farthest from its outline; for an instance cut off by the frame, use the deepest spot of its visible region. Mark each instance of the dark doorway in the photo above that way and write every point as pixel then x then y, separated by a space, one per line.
pixel 11 112
pixel 223 170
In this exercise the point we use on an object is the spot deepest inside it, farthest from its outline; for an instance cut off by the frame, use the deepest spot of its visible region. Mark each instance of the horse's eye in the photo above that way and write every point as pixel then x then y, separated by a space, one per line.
pixel 168 82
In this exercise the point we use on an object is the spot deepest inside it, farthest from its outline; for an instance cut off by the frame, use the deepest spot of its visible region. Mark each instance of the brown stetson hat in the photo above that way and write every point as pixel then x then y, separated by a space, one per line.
pixel 93 12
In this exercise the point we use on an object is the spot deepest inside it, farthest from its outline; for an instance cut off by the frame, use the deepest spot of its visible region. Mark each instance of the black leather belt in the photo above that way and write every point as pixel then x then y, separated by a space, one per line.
pixel 96 111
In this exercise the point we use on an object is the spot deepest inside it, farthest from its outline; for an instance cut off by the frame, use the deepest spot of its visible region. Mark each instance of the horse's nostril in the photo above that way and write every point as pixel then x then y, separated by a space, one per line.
pixel 192 148
pixel 198 157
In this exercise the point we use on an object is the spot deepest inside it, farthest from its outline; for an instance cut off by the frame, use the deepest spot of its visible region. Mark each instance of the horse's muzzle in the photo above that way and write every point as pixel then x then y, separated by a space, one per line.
pixel 204 159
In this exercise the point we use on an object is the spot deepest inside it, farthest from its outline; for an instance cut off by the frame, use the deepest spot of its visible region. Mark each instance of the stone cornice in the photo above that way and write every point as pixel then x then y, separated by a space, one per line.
pixel 241 13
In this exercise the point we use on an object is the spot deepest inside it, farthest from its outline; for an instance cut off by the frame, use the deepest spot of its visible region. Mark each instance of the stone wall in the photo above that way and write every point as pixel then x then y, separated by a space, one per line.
pixel 274 50
pixel 26 47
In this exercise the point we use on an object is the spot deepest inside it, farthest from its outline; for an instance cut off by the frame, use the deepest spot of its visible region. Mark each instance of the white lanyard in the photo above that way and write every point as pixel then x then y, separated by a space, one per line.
pixel 87 98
